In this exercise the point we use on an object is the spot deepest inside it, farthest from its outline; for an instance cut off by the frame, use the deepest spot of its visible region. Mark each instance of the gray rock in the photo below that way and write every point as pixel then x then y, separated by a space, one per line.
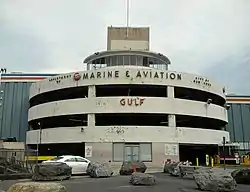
pixel 175 172
pixel 168 167
pixel 37 187
pixel 142 179
pixel 189 169
pixel 214 179
pixel 127 168
pixel 174 169
pixel 241 175
pixel 51 172
pixel 98 170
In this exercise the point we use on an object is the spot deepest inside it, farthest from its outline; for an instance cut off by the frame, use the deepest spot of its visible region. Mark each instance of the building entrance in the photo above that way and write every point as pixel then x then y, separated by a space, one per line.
pixel 192 151
pixel 131 153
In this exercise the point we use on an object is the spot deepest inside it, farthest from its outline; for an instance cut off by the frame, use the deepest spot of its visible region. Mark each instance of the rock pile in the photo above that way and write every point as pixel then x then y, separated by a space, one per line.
pixel 37 187
pixel 98 170
pixel 51 172
pixel 241 176
pixel 168 166
pixel 142 179
pixel 214 179
pixel 127 168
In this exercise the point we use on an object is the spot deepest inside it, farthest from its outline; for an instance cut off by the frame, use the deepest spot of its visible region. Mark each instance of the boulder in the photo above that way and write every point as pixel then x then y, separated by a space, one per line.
pixel 37 187
pixel 142 179
pixel 168 166
pixel 214 179
pixel 98 170
pixel 241 175
pixel 127 168
pixel 174 169
pixel 51 172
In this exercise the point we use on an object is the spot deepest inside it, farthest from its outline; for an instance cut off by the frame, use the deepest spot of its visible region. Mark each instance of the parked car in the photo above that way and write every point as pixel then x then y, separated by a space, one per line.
pixel 79 164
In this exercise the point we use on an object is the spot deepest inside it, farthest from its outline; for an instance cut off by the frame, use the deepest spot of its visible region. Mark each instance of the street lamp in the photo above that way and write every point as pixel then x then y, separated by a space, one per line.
pixel 40 139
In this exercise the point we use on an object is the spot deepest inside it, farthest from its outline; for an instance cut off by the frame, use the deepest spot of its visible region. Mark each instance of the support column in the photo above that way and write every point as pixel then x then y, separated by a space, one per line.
pixel 91 91
pixel 91 117
pixel 170 91
pixel 171 120
pixel 91 120
pixel 171 117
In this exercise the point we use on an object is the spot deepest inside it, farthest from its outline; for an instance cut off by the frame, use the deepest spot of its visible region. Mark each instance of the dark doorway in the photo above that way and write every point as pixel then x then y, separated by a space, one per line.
pixel 190 152
pixel 57 149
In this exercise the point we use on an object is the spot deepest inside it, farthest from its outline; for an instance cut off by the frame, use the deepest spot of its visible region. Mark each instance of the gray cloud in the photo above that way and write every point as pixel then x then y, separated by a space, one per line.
pixel 208 37
pixel 20 51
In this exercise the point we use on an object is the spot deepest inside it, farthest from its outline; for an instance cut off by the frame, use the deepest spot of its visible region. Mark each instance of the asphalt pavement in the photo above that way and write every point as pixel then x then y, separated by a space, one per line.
pixel 164 182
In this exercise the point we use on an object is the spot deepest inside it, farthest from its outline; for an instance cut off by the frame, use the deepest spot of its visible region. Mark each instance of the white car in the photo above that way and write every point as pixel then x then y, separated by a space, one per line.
pixel 79 164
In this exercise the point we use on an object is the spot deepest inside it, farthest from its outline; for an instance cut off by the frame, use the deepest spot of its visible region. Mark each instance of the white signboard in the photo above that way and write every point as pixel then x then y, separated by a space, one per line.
pixel 88 151
pixel 171 149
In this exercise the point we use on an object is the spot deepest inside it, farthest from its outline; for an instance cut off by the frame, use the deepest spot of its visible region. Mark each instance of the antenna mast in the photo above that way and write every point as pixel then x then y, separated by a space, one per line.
pixel 127 16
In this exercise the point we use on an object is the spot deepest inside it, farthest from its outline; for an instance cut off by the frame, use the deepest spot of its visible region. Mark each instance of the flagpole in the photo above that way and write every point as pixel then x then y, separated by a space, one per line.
pixel 127 16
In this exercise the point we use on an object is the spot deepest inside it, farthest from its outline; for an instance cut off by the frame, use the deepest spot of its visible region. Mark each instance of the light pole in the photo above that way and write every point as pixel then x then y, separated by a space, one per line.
pixel 40 140
pixel 224 156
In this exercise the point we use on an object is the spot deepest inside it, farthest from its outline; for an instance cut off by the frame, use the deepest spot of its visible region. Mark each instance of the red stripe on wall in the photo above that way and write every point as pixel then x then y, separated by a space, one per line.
pixel 243 99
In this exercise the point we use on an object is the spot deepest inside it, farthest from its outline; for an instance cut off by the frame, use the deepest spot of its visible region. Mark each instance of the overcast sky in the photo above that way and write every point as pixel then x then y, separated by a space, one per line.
pixel 208 37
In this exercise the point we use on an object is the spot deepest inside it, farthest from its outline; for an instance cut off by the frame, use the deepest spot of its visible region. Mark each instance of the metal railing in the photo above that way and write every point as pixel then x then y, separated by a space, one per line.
pixel 13 161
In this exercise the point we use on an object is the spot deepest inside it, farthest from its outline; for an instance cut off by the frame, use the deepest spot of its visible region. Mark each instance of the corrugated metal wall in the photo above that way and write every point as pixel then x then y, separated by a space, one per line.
pixel 14 97
pixel 14 109
pixel 239 124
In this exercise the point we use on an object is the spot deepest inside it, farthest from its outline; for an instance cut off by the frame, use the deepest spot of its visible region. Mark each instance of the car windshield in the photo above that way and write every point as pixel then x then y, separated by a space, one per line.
pixel 56 158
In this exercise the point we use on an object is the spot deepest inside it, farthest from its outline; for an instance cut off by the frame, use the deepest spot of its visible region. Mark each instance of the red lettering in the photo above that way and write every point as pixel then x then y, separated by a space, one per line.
pixel 136 104
pixel 130 101
pixel 141 101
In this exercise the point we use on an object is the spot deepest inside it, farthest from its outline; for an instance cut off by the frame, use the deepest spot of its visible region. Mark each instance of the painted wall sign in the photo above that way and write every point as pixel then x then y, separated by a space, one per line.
pixel 116 74
pixel 171 149
pixel 88 151
pixel 59 78
pixel 139 74
pixel 202 81
pixel 132 101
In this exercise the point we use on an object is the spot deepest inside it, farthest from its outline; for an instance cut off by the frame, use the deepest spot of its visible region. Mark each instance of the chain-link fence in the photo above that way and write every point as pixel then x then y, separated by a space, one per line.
pixel 13 161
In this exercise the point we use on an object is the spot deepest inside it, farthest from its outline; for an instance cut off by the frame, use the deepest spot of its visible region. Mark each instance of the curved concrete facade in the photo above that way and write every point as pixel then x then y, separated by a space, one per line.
pixel 107 134
pixel 127 75
pixel 109 105
pixel 102 138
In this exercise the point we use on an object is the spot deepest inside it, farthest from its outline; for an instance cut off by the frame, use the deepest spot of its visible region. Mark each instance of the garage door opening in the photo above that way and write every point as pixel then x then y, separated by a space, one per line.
pixel 58 149
pixel 190 152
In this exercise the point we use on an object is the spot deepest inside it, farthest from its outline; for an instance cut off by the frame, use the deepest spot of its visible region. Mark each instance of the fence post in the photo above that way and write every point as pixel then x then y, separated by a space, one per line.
pixel 197 161
pixel 212 162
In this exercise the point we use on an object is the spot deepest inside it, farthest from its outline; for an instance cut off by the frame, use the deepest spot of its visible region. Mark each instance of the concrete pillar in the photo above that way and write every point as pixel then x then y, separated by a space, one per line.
pixel 171 117
pixel 91 91
pixel 170 91
pixel 91 120
pixel 171 120
pixel 91 117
